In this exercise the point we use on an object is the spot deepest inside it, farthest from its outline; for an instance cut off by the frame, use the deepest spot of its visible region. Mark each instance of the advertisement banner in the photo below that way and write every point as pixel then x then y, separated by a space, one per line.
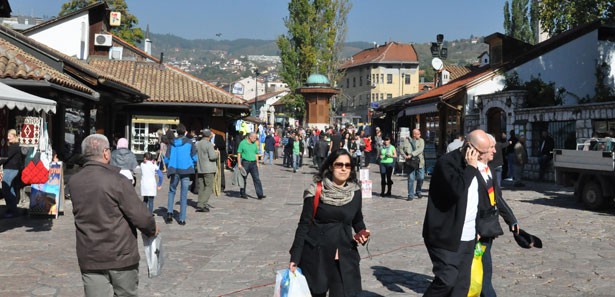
pixel 46 199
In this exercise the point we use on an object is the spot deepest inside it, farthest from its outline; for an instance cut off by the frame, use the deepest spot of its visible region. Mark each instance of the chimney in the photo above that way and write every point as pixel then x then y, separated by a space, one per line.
pixel 147 45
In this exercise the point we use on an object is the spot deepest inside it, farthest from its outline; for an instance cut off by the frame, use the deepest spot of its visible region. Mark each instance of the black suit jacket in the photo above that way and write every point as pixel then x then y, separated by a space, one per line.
pixel 549 145
pixel 448 199
pixel 487 220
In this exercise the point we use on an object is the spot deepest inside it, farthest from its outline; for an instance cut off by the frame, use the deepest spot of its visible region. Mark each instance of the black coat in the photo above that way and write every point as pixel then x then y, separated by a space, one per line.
pixel 547 148
pixel 316 242
pixel 487 221
pixel 448 199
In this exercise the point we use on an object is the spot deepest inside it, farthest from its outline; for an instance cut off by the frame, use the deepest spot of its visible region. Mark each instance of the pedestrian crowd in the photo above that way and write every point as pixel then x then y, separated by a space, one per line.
pixel 464 198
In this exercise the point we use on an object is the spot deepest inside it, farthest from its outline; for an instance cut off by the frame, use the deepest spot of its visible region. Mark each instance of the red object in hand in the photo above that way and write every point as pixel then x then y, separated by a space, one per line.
pixel 362 233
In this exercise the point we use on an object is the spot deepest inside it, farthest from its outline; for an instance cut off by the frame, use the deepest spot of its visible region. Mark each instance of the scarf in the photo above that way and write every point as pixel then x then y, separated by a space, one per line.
pixel 333 194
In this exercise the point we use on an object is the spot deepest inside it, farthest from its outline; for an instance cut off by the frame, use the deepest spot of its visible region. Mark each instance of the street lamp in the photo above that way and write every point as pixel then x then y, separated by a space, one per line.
pixel 437 52
pixel 256 74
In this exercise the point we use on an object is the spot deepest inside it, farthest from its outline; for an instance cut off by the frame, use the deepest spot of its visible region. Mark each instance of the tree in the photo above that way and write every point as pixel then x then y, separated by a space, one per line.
pixel 315 38
pixel 126 31
pixel 518 22
pixel 557 16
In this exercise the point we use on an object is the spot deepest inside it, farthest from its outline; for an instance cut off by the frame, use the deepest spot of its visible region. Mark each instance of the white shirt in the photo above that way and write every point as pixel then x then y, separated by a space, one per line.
pixel 469 226
pixel 148 179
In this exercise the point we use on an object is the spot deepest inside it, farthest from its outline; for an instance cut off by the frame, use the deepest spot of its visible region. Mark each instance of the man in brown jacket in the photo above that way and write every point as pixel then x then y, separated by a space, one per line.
pixel 107 213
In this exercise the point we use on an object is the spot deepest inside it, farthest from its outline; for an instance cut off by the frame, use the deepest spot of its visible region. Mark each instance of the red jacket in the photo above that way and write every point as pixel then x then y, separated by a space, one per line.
pixel 368 144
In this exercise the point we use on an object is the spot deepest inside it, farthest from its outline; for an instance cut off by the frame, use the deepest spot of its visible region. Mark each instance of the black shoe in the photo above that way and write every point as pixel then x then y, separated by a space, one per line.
pixel 409 198
pixel 418 196
pixel 244 196
pixel 169 218
pixel 202 209
pixel 181 222
pixel 262 197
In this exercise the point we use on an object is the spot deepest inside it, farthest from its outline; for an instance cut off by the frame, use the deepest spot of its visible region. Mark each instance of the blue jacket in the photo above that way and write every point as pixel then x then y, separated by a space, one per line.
pixel 181 157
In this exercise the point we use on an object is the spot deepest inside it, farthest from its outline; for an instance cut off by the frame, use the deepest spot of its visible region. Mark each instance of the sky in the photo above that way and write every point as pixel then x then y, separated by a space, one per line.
pixel 412 21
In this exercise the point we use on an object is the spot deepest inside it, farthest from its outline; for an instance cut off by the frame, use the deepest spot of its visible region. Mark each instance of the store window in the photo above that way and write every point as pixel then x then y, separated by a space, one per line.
pixel 145 132
pixel 74 132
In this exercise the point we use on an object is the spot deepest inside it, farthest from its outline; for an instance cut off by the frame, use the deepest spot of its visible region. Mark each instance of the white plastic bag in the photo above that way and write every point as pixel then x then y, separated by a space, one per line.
pixel 153 254
pixel 288 284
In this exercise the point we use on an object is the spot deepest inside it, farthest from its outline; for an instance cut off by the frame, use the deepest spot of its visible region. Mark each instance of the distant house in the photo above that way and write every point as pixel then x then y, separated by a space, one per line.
pixel 245 88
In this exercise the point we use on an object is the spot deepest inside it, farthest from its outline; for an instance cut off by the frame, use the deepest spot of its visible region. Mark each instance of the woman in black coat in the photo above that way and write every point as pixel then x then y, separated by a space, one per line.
pixel 324 246
pixel 11 184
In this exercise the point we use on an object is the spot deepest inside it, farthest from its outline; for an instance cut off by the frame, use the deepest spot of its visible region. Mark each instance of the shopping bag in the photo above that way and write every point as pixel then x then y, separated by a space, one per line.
pixel 153 254
pixel 288 284
pixel 476 279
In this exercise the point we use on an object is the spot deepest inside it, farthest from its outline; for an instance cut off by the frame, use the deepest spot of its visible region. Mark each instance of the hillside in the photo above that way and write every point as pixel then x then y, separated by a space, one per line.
pixel 205 57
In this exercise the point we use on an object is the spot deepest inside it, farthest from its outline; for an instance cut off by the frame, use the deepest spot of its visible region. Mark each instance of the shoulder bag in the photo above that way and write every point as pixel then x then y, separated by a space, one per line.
pixel 413 162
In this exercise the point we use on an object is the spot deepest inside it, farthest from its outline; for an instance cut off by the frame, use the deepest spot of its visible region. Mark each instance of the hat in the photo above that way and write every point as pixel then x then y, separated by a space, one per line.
pixel 526 240
pixel 206 132
pixel 122 143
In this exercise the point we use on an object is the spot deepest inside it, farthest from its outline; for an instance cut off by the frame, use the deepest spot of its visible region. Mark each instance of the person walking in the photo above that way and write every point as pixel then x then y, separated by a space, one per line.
pixel 269 148
pixel 510 155
pixel 12 163
pixel 217 138
pixel 322 150
pixel 296 153
pixel 415 148
pixel 324 247
pixel 207 167
pixel 181 157
pixel 449 228
pixel 125 159
pixel 388 154
pixel 246 159
pixel 107 213
pixel 149 186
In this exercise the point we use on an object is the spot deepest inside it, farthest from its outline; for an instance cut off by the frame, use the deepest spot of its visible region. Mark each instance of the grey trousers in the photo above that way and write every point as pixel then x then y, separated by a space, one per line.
pixel 123 282
pixel 206 188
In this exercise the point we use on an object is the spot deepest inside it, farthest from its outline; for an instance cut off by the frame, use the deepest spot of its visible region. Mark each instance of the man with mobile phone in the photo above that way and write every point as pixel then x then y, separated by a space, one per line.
pixel 449 228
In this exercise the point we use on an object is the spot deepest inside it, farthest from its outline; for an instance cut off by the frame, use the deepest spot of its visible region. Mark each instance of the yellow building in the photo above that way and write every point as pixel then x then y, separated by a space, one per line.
pixel 375 74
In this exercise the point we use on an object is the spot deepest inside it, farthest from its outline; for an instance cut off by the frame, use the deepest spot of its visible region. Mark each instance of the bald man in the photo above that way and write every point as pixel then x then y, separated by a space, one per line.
pixel 449 229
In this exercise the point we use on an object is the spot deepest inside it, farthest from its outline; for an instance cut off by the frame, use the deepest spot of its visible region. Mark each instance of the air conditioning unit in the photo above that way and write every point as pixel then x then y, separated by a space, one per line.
pixel 102 40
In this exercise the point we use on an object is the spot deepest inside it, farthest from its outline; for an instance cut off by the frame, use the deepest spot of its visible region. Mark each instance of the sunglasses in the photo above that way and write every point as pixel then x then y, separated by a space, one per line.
pixel 340 165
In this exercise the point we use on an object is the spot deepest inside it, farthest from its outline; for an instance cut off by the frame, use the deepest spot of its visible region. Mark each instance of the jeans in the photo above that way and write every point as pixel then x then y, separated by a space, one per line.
pixel 268 155
pixel 418 175
pixel 296 160
pixel 498 176
pixel 183 196
pixel 252 169
pixel 518 170
pixel 149 202
pixel 511 165
pixel 10 189
pixel 544 162
pixel 386 170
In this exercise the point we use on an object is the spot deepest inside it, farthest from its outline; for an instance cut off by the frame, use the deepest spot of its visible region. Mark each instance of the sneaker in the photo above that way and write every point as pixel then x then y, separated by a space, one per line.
pixel 169 218
pixel 508 179
pixel 418 196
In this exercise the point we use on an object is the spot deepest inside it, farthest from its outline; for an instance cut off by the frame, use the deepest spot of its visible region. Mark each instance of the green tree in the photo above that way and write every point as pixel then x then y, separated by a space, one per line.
pixel 517 22
pixel 128 29
pixel 315 38
pixel 557 16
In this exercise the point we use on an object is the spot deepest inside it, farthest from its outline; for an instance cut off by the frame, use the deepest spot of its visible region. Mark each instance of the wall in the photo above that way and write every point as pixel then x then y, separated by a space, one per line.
pixel 66 36
pixel 572 66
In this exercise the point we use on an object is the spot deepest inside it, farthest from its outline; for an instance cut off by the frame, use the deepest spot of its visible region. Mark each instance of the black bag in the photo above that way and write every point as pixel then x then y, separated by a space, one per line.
pixel 488 224
pixel 194 184
pixel 413 163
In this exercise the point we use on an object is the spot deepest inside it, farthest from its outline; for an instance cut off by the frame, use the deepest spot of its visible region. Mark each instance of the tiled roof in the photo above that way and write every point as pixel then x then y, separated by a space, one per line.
pixel 450 89
pixel 17 64
pixel 391 52
pixel 71 61
pixel 456 71
pixel 166 84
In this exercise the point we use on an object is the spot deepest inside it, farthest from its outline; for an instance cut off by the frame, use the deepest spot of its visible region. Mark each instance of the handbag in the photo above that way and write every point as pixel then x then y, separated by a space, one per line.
pixel 413 162
pixel 35 171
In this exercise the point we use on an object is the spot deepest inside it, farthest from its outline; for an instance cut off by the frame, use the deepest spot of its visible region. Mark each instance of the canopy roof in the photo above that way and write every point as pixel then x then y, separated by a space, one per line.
pixel 14 98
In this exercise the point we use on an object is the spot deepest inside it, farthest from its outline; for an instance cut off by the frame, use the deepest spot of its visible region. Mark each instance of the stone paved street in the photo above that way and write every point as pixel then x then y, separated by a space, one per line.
pixel 236 248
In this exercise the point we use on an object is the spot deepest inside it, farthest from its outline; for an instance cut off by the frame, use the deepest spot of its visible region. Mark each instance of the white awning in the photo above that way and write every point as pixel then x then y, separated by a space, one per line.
pixel 14 98
pixel 418 109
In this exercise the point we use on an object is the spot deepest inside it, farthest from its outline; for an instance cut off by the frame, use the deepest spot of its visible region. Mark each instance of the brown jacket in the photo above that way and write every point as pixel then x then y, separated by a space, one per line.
pixel 107 213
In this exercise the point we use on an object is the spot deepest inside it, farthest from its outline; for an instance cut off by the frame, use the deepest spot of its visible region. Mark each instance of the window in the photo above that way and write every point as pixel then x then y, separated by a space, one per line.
pixel 374 79
pixel 389 95
pixel 360 81
pixel 377 79
pixel 354 82
pixel 347 82
pixel 382 77
pixel 407 78
pixel 389 79
pixel 381 96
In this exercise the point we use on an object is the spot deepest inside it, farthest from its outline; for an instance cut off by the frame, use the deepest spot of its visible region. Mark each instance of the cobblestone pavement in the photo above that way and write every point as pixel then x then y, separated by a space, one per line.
pixel 236 248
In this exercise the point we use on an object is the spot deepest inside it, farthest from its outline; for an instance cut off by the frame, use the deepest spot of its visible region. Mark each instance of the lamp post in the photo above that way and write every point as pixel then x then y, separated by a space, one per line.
pixel 438 52
pixel 256 74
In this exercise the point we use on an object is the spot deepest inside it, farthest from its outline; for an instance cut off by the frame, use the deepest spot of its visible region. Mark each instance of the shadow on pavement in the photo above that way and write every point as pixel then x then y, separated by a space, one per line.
pixel 396 280
pixel 369 294
pixel 557 199
pixel 38 223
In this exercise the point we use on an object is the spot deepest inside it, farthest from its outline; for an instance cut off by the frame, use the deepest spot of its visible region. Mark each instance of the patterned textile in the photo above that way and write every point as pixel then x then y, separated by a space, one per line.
pixel 30 132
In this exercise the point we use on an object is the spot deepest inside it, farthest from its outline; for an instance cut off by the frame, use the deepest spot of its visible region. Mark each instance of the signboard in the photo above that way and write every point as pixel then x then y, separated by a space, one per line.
pixel 115 19
pixel 237 89
pixel 47 198
pixel 366 184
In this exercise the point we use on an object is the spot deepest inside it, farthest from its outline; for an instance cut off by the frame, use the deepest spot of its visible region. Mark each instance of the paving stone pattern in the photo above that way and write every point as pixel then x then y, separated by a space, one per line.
pixel 235 249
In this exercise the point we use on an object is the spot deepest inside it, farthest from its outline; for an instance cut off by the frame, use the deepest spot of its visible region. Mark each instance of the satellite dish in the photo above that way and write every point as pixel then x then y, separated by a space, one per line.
pixel 437 64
